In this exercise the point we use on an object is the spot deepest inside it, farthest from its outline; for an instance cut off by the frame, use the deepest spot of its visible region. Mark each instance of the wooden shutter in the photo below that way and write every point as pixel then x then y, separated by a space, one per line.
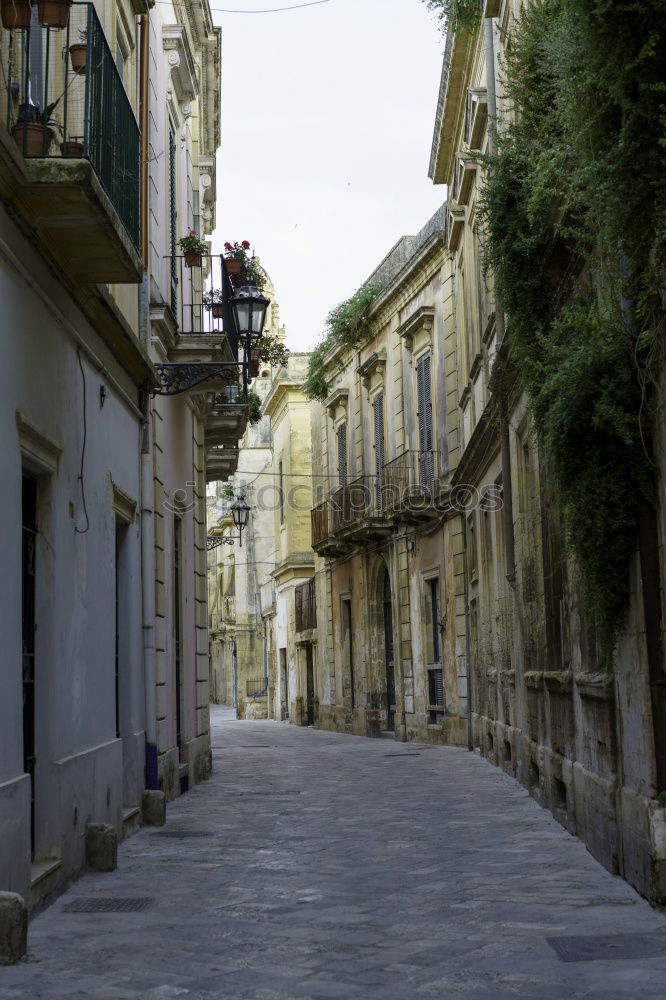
pixel 378 421
pixel 342 453
pixel 424 402
pixel 173 217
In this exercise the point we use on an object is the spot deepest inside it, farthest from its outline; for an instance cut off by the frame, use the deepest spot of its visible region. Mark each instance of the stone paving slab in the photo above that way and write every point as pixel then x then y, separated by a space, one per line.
pixel 339 867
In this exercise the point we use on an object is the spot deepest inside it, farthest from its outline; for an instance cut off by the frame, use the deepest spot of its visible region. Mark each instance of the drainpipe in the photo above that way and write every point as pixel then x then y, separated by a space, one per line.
pixel 144 55
pixel 148 594
pixel 147 486
pixel 505 443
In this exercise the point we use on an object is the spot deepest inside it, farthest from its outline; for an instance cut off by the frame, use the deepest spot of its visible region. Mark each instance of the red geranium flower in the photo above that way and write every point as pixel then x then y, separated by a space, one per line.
pixel 245 245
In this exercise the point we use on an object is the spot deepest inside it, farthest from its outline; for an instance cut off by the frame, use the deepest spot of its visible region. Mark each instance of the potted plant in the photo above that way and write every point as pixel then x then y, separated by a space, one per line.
pixel 16 13
pixel 255 274
pixel 193 248
pixel 255 361
pixel 53 13
pixel 235 258
pixel 33 133
pixel 78 52
pixel 213 301
pixel 72 148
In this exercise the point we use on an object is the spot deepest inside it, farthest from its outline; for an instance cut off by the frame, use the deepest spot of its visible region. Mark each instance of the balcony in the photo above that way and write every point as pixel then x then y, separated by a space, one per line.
pixel 357 511
pixel 200 300
pixel 72 144
pixel 306 606
pixel 226 419
pixel 411 487
pixel 220 464
pixel 323 541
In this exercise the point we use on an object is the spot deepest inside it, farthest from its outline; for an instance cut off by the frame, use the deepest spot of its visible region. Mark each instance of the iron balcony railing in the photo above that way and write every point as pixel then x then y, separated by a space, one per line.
pixel 64 98
pixel 306 606
pixel 360 499
pixel 201 298
pixel 409 479
pixel 321 523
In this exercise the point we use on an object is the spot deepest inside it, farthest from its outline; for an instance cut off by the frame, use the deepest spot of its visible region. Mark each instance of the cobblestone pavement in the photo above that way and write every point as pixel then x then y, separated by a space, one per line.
pixel 331 866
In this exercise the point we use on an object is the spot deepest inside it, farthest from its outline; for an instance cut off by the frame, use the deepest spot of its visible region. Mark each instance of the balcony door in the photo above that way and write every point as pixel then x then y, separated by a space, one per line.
pixel 389 652
pixel 424 402
pixel 29 537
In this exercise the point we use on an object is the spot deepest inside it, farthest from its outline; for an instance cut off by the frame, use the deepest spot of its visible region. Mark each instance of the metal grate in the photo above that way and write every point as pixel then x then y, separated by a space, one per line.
pixel 182 834
pixel 108 904
pixel 605 947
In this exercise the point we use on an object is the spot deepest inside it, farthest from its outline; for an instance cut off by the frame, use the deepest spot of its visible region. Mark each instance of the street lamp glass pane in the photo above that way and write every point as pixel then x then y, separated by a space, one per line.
pixel 243 310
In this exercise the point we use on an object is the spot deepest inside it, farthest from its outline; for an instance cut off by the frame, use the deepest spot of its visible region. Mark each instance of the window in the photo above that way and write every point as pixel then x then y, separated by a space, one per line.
pixel 342 453
pixel 472 560
pixel 281 489
pixel 424 403
pixel 434 652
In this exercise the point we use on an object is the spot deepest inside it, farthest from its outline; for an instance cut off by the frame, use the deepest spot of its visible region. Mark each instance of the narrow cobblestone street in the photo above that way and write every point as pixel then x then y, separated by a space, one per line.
pixel 318 865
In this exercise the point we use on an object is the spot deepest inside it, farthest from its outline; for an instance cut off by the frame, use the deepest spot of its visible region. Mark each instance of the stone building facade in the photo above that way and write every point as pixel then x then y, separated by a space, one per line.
pixel 390 649
pixel 439 542
pixel 104 665
pixel 579 736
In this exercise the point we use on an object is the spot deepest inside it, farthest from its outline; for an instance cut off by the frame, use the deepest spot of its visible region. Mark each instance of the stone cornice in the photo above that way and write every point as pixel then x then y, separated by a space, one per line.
pixel 375 363
pixel 180 62
pixel 423 318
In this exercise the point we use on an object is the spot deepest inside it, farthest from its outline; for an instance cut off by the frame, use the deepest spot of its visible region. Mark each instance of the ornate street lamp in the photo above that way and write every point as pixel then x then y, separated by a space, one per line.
pixel 240 511
pixel 249 307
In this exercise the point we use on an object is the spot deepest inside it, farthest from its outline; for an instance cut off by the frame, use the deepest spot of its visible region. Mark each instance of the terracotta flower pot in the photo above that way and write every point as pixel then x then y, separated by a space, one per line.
pixel 15 13
pixel 216 310
pixel 53 13
pixel 192 258
pixel 71 149
pixel 77 54
pixel 234 265
pixel 29 137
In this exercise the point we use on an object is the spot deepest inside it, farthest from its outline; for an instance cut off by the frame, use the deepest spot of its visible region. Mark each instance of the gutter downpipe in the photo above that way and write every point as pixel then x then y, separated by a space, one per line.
pixel 505 442
pixel 147 489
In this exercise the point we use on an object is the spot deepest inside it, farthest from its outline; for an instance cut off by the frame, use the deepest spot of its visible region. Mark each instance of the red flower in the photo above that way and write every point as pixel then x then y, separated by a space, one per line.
pixel 228 246
pixel 245 245
pixel 192 232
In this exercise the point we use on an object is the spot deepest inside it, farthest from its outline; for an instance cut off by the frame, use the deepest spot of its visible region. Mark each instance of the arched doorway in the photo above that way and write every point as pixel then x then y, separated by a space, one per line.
pixel 389 655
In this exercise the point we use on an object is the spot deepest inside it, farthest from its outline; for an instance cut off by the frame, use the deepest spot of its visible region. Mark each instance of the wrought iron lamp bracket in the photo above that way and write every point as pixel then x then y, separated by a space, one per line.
pixel 214 541
pixel 177 377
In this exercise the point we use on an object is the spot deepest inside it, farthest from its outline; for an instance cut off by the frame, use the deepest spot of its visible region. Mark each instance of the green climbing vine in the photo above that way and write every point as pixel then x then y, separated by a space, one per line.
pixel 574 213
pixel 346 325
pixel 455 15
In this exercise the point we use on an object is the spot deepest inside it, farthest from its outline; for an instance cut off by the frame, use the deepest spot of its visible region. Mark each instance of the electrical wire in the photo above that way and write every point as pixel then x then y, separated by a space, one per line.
pixel 82 531
pixel 270 10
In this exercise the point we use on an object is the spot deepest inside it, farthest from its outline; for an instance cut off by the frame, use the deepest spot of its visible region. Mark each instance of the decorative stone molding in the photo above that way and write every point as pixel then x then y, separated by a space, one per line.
pixel 457 219
pixel 123 505
pixel 339 397
pixel 416 332
pixel 375 365
pixel 39 450
pixel 478 111
pixel 180 62
pixel 467 166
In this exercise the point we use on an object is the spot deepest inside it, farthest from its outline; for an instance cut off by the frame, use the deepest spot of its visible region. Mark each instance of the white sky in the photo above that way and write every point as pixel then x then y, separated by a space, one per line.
pixel 327 120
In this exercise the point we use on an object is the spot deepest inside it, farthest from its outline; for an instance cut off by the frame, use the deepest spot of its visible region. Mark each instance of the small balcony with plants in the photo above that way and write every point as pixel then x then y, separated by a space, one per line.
pixel 71 145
